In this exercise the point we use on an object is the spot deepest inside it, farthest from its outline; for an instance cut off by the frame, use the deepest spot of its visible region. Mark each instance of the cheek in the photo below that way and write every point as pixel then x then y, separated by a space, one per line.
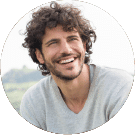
pixel 80 50
pixel 50 54
pixel 78 47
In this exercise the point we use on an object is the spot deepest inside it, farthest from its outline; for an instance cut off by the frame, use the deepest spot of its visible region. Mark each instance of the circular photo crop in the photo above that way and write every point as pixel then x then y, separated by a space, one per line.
pixel 67 67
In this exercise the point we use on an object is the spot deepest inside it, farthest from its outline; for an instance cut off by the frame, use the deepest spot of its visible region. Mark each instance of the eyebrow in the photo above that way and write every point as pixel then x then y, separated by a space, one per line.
pixel 72 36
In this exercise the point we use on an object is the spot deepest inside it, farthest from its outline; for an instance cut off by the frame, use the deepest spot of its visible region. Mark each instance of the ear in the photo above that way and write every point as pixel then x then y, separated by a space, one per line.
pixel 39 56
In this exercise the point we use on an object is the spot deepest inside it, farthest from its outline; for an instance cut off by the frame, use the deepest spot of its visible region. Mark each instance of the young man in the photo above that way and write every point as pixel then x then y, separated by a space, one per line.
pixel 74 97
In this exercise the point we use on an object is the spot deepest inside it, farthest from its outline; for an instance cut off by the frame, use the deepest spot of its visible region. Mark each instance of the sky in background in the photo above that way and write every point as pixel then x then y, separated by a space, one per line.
pixel 112 48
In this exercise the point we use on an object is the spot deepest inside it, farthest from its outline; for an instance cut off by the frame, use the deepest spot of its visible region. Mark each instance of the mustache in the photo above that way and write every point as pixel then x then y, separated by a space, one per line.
pixel 63 55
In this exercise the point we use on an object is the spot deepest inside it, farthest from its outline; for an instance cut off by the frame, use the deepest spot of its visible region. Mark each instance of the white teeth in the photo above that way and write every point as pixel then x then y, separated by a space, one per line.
pixel 66 61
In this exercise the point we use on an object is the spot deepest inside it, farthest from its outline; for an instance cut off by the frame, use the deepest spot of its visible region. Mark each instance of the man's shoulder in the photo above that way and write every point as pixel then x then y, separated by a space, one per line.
pixel 113 74
pixel 113 87
pixel 37 89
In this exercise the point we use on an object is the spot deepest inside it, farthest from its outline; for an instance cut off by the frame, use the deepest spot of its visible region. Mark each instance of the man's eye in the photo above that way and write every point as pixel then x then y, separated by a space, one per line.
pixel 52 43
pixel 72 39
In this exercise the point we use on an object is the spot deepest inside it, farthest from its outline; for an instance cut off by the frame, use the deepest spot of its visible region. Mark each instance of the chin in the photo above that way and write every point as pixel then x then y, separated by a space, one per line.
pixel 70 75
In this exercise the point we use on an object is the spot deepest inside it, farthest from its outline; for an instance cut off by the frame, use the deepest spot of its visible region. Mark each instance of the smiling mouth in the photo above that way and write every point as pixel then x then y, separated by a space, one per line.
pixel 66 61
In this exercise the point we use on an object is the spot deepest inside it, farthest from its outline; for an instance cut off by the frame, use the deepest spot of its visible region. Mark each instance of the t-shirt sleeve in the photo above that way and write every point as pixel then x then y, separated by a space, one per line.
pixel 120 98
pixel 27 111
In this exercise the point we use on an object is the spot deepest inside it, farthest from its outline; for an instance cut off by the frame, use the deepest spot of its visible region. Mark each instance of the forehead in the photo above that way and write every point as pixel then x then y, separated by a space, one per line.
pixel 58 32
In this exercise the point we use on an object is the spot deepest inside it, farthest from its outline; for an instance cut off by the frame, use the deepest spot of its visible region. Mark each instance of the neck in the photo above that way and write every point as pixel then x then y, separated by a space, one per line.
pixel 75 91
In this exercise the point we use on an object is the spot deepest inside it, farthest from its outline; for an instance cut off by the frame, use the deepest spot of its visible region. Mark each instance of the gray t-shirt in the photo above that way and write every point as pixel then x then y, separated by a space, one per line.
pixel 43 106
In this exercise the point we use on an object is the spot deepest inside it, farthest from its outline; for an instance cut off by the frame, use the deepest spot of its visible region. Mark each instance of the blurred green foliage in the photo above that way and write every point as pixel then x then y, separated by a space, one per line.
pixel 15 92
pixel 9 87
pixel 17 81
pixel 21 75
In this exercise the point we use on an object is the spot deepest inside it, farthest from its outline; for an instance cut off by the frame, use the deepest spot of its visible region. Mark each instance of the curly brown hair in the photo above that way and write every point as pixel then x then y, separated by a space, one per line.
pixel 68 17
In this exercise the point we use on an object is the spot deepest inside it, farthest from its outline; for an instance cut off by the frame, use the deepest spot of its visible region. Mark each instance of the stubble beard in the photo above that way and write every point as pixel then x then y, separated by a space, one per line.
pixel 52 68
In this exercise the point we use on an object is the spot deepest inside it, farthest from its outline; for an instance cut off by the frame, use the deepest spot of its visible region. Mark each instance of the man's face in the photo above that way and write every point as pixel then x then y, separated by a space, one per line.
pixel 63 53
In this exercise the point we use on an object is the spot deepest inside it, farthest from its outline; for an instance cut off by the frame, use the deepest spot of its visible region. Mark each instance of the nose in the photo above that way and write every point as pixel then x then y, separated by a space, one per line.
pixel 65 48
